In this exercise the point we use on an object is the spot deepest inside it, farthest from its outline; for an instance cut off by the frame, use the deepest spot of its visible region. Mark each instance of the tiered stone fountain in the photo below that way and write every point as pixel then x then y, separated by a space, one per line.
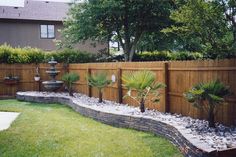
pixel 53 84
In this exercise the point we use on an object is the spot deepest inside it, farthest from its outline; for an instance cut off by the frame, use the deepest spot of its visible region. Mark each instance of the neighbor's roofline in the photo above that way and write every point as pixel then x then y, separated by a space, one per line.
pixel 28 20
pixel 36 10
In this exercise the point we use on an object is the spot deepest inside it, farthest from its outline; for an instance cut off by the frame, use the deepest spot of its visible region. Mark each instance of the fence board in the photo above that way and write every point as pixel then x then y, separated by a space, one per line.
pixel 179 75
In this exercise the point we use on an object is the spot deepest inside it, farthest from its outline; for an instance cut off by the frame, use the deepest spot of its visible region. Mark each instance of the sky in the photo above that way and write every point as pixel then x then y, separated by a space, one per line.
pixel 20 3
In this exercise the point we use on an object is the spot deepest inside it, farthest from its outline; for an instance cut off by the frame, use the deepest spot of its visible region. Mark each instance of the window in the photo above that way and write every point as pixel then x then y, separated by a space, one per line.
pixel 47 31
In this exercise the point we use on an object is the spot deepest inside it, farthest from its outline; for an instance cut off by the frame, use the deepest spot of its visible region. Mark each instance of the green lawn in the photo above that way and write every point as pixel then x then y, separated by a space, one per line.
pixel 52 130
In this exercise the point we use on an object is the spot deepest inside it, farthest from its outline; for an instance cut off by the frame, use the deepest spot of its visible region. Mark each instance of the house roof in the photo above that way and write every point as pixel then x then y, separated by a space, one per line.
pixel 36 10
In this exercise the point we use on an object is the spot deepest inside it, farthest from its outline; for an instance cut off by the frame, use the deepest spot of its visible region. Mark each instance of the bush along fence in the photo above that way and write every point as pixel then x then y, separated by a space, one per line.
pixel 178 76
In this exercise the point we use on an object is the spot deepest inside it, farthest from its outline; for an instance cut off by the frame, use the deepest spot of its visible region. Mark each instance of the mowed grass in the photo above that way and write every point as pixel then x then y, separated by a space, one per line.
pixel 55 130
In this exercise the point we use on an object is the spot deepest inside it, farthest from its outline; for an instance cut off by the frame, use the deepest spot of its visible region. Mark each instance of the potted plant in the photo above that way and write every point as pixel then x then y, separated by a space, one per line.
pixel 37 76
pixel 99 81
pixel 11 80
pixel 144 83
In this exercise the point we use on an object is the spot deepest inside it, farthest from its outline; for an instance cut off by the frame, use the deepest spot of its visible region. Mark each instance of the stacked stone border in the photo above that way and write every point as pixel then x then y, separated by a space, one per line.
pixel 138 123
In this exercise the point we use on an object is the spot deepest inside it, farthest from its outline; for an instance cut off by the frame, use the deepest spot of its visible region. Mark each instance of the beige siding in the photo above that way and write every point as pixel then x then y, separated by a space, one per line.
pixel 27 33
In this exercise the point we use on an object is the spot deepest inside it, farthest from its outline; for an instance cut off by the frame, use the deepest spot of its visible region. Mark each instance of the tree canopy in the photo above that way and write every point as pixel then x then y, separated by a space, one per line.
pixel 129 20
pixel 205 26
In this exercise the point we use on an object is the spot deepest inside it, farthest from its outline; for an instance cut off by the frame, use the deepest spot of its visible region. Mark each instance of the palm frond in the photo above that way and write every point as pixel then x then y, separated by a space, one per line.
pixel 143 82
pixel 98 80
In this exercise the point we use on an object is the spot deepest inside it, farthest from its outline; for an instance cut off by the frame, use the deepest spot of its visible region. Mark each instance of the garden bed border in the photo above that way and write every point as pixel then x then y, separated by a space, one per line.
pixel 139 123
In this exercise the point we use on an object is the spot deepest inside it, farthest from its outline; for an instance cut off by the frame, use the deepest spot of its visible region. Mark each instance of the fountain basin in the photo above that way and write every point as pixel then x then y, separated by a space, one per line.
pixel 52 85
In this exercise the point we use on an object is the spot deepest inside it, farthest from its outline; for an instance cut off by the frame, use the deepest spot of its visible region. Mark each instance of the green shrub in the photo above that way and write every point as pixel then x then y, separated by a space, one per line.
pixel 208 96
pixel 186 55
pixel 35 55
pixel 99 81
pixel 70 56
pixel 5 52
pixel 167 55
pixel 27 55
pixel 73 56
pixel 153 56
pixel 69 79
pixel 20 55
pixel 145 85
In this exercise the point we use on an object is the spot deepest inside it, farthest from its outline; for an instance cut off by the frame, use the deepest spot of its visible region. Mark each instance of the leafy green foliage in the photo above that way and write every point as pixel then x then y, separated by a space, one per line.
pixel 203 27
pixel 20 55
pixel 186 56
pixel 167 55
pixel 208 96
pixel 128 20
pixel 69 79
pixel 71 56
pixel 144 83
pixel 32 55
pixel 99 80
pixel 153 56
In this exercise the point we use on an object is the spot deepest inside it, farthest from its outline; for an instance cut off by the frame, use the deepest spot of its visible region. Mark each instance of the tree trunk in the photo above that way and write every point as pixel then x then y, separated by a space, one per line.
pixel 118 46
pixel 131 54
pixel 108 46
pixel 234 33
pixel 100 95
pixel 126 56
pixel 142 105
pixel 71 92
pixel 211 117
pixel 134 46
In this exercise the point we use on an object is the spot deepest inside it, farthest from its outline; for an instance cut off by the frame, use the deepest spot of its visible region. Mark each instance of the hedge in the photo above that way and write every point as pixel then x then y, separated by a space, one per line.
pixel 32 55
pixel 167 55
pixel 156 56
pixel 26 55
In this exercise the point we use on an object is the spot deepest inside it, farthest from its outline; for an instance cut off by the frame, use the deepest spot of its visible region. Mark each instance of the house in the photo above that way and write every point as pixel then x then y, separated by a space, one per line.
pixel 37 24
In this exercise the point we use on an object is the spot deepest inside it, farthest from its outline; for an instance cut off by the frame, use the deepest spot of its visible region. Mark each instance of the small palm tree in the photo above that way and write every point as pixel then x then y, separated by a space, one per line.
pixel 99 81
pixel 144 83
pixel 69 79
pixel 208 96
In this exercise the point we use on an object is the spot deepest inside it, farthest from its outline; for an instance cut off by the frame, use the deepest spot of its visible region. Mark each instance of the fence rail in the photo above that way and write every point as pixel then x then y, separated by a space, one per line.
pixel 179 76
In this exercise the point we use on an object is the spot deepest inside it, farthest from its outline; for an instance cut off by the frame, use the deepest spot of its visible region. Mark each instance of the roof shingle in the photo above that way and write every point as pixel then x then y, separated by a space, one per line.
pixel 36 10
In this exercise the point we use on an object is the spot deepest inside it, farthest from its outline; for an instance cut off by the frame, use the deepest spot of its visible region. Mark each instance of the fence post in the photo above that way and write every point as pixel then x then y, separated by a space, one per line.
pixel 166 107
pixel 88 86
pixel 119 86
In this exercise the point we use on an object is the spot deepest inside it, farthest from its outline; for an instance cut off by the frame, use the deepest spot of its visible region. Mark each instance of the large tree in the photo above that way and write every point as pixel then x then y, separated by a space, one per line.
pixel 229 8
pixel 204 25
pixel 129 20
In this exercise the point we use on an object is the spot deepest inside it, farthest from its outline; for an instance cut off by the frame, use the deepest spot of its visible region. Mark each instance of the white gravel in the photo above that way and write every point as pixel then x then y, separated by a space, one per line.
pixel 195 130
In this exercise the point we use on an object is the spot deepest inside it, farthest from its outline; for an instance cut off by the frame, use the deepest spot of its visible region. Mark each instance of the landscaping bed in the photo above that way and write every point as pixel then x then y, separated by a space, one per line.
pixel 192 136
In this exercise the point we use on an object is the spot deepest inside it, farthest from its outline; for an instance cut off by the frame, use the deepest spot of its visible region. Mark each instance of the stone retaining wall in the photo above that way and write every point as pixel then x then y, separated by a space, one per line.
pixel 138 123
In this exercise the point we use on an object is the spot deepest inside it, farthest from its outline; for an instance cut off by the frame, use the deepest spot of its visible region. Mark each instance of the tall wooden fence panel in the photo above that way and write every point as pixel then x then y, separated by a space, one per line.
pixel 26 73
pixel 183 75
pixel 115 91
pixel 179 76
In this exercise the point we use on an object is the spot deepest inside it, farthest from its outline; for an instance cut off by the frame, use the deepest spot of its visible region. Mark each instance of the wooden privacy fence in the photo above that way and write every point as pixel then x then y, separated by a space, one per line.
pixel 26 73
pixel 179 76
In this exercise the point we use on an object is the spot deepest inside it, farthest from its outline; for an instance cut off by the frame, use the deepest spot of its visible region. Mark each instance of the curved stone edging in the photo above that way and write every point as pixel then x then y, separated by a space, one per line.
pixel 138 123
